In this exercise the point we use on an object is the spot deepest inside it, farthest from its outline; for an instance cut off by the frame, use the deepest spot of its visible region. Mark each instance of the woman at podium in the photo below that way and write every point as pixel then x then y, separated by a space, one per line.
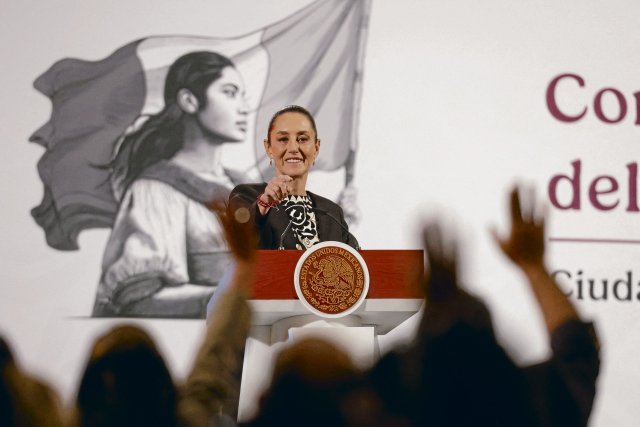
pixel 286 214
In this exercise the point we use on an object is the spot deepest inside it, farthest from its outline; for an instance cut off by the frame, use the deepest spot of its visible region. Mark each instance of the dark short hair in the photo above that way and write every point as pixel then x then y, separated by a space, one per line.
pixel 126 382
pixel 312 376
pixel 291 109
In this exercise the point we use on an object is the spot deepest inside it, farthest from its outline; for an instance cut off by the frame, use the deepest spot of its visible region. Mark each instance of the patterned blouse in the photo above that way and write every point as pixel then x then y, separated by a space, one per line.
pixel 303 224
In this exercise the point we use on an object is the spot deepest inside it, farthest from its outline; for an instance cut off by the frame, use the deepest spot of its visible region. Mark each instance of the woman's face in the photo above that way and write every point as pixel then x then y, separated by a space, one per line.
pixel 293 146
pixel 225 115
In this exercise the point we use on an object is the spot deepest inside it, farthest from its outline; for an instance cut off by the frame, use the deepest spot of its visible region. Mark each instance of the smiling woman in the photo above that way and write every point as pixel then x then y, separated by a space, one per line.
pixel 286 215
pixel 166 252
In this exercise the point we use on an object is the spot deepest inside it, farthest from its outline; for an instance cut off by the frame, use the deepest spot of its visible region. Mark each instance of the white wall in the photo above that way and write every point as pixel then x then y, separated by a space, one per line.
pixel 453 111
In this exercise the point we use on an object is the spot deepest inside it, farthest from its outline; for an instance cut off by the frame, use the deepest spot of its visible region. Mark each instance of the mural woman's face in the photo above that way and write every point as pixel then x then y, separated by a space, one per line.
pixel 293 144
pixel 225 114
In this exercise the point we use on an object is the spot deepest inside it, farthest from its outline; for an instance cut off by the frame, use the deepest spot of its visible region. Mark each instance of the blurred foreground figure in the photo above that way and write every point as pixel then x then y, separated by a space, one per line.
pixel 455 373
pixel 24 400
pixel 126 382
pixel 310 380
pixel 562 389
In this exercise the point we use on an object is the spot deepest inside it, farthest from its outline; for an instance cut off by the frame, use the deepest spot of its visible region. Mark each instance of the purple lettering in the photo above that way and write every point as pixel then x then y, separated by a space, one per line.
pixel 551 99
pixel 597 105
pixel 637 96
pixel 575 187
pixel 594 192
pixel 633 187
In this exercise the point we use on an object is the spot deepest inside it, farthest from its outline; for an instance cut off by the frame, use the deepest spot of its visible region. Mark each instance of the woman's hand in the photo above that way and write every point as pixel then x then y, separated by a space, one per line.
pixel 276 190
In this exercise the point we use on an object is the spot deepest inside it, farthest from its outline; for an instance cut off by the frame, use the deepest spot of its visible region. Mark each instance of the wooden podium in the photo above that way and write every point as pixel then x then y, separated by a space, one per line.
pixel 279 317
pixel 392 298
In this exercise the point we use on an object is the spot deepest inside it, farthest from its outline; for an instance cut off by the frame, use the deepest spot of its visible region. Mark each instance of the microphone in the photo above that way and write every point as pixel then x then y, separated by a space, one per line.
pixel 281 247
pixel 337 221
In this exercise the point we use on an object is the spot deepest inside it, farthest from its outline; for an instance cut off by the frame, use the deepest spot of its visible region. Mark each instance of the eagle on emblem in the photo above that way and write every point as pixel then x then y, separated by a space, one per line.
pixel 334 272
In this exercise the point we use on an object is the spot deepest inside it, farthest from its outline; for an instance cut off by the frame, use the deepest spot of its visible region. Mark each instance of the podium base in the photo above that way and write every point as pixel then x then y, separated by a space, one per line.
pixel 265 342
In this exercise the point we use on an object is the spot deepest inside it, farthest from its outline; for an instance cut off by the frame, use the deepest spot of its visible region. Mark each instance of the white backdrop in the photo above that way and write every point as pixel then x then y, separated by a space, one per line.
pixel 453 111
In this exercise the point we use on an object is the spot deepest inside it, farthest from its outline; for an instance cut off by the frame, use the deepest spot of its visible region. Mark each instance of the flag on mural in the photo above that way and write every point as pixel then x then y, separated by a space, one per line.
pixel 312 58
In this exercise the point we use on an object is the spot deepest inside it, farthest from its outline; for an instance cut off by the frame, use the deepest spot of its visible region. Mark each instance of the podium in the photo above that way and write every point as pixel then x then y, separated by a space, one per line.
pixel 279 317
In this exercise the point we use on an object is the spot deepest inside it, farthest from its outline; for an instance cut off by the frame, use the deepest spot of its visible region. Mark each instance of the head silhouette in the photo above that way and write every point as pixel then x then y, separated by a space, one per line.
pixel 126 382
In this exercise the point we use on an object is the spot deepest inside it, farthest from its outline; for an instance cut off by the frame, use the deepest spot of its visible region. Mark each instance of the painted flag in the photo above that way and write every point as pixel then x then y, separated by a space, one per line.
pixel 312 58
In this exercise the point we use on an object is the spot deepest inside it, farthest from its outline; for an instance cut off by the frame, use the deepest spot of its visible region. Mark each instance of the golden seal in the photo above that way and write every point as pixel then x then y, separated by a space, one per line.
pixel 331 279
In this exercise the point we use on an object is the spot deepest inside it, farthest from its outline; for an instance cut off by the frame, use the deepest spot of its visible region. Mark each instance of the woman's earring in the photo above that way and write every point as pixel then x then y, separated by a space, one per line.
pixel 270 161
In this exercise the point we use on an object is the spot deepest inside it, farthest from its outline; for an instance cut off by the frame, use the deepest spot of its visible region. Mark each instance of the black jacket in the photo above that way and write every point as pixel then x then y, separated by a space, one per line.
pixel 273 224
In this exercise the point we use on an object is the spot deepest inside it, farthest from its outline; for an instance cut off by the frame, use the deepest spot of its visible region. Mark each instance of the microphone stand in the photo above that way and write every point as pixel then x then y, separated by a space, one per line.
pixel 281 247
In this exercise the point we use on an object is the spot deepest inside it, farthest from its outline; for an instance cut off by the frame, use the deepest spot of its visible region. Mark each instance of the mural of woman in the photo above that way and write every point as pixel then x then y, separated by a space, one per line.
pixel 166 252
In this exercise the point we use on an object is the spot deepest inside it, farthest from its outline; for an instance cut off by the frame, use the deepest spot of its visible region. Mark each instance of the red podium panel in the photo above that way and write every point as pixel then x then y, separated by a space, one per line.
pixel 390 274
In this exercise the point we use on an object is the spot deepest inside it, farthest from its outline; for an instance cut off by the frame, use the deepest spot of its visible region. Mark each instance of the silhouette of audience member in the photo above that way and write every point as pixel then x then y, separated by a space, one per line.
pixel 309 382
pixel 127 383
pixel 24 400
pixel 562 389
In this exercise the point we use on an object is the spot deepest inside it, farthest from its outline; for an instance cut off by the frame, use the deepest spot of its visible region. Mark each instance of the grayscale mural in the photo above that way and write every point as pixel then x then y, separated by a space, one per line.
pixel 135 142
